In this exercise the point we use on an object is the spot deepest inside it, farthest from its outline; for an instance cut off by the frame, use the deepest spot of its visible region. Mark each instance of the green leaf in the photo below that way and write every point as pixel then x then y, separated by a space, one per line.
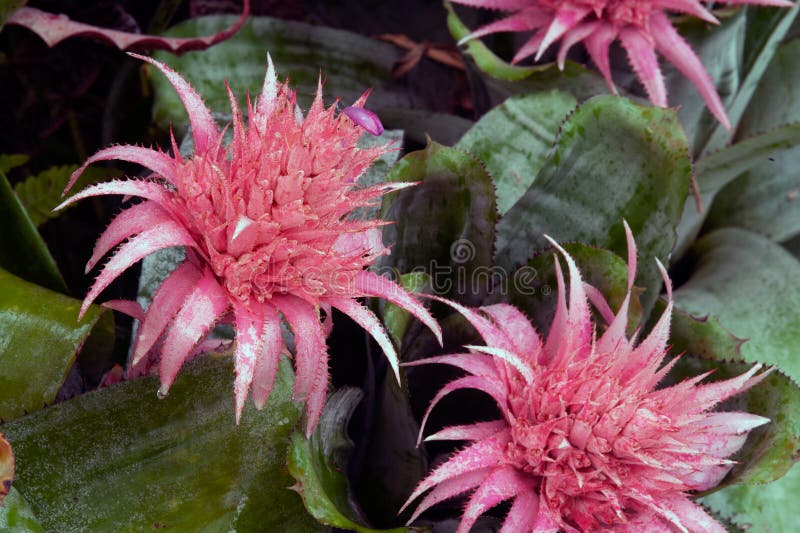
pixel 764 197
pixel 349 63
pixel 613 160
pixel 445 224
pixel 7 7
pixel 752 286
pixel 180 463
pixel 770 450
pixel 768 507
pixel 39 194
pixel 318 465
pixel 534 288
pixel 396 319
pixel 514 138
pixel 12 161
pixel 761 199
pixel 486 60
pixel 716 170
pixel 22 250
pixel 766 29
pixel 779 84
pixel 40 340
pixel 16 515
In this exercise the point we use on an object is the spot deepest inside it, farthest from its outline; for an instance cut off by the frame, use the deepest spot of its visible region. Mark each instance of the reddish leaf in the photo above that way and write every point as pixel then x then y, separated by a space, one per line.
pixel 55 28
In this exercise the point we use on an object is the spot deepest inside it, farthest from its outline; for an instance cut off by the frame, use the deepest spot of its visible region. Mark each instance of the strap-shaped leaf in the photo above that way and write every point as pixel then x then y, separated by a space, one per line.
pixel 22 250
pixel 180 463
pixel 613 160
pixel 770 450
pixel 41 337
pixel 514 139
pixel 319 465
pixel 752 286
pixel 445 224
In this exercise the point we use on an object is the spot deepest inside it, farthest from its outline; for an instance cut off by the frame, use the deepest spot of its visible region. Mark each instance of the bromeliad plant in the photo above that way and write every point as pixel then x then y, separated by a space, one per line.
pixel 606 400
pixel 586 441
pixel 264 222
pixel 641 26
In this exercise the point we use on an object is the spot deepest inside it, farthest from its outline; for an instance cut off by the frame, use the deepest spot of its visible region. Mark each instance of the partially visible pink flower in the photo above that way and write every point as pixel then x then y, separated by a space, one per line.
pixel 265 228
pixel 6 468
pixel 642 27
pixel 586 441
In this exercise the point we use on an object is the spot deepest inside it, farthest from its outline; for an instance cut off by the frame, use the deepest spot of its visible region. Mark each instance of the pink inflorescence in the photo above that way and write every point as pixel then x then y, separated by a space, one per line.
pixel 642 27
pixel 586 442
pixel 265 228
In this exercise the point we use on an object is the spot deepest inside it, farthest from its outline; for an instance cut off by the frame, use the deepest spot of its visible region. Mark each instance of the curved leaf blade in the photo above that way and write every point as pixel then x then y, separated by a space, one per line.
pixel 770 450
pixel 752 286
pixel 40 338
pixel 613 160
pixel 180 462
pixel 450 233
pixel 514 139
pixel 22 250
pixel 318 465
pixel 767 507
pixel 16 515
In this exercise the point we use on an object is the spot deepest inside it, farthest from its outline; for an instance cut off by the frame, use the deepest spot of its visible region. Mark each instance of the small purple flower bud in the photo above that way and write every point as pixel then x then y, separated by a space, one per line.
pixel 364 118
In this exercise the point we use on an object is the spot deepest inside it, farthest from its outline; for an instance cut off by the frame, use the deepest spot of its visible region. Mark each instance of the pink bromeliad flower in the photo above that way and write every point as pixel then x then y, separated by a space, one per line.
pixel 586 441
pixel 642 26
pixel 265 228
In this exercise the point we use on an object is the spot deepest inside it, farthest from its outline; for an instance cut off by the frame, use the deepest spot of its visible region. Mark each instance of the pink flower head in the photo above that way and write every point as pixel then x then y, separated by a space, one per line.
pixel 642 26
pixel 585 442
pixel 265 228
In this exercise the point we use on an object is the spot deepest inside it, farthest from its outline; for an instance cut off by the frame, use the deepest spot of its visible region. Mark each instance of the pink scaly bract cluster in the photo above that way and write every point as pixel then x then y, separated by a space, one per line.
pixel 585 441
pixel 642 27
pixel 265 228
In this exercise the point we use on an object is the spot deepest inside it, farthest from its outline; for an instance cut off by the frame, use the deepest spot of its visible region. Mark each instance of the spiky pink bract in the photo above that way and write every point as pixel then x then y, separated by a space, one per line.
pixel 642 27
pixel 586 441
pixel 265 227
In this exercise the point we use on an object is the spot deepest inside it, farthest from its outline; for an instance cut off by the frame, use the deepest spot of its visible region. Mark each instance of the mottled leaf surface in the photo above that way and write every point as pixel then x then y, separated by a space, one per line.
pixel 613 160
pixel 514 139
pixel 444 224
pixel 180 463
pixel 752 286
